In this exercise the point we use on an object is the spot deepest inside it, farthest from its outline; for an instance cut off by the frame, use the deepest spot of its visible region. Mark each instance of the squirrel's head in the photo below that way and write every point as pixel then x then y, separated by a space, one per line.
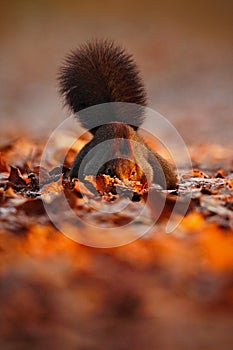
pixel 125 170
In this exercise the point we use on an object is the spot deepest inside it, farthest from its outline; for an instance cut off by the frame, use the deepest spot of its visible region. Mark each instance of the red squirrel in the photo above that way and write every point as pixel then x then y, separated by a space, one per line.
pixel 101 72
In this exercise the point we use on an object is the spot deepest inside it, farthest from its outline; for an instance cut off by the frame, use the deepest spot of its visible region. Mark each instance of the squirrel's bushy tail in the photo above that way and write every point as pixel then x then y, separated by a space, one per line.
pixel 101 72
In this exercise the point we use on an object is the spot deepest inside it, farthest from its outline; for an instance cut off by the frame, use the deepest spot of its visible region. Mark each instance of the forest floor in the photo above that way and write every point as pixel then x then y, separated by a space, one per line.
pixel 159 291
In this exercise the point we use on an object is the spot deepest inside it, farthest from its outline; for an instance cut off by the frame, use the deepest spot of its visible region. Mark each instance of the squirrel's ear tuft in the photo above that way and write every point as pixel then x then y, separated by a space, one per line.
pixel 101 72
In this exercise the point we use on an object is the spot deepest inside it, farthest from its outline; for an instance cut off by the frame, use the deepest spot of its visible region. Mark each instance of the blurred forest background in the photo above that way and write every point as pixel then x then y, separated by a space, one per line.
pixel 183 48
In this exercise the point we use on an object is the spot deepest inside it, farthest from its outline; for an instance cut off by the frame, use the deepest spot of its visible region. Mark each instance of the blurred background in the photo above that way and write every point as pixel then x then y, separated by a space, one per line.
pixel 184 49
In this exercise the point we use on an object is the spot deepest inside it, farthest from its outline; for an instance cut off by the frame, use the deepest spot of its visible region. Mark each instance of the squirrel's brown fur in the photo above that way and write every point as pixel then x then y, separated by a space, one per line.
pixel 101 72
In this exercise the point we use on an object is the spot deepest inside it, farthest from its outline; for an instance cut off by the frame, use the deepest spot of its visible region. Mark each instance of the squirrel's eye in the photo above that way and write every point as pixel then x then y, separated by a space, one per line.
pixel 108 171
pixel 133 172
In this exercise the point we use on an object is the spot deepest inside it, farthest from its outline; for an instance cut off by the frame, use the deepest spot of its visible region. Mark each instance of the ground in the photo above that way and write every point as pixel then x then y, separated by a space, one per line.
pixel 165 291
